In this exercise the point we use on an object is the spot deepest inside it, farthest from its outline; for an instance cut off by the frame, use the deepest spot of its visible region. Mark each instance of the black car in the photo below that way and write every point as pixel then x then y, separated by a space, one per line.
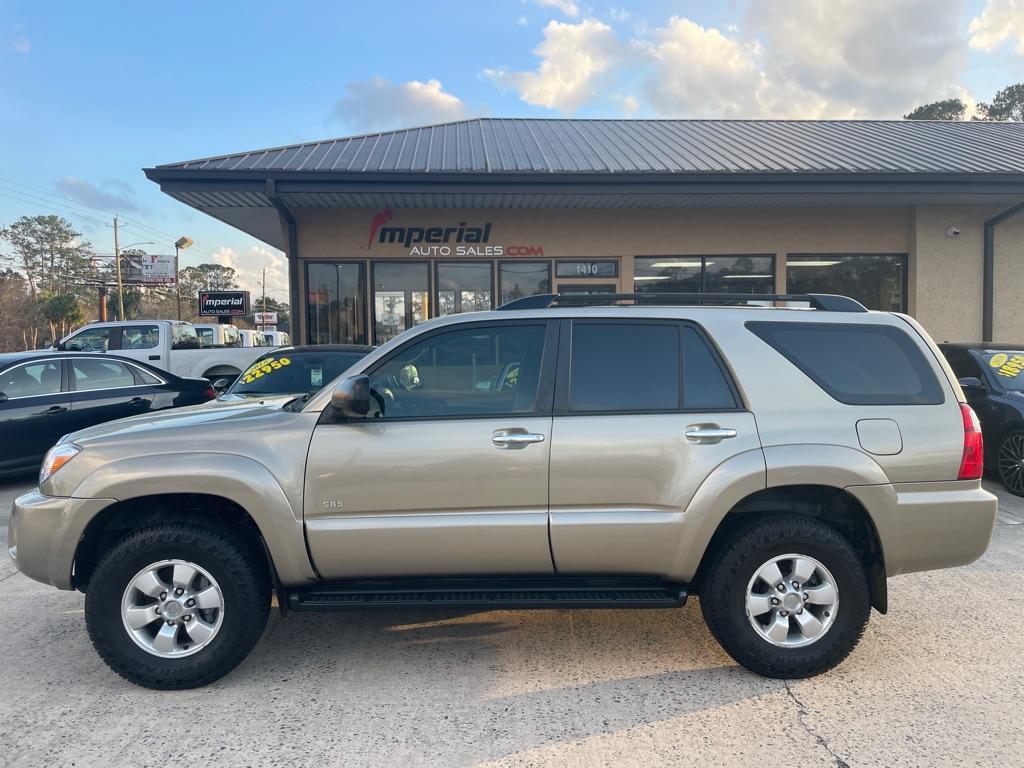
pixel 992 377
pixel 295 370
pixel 45 396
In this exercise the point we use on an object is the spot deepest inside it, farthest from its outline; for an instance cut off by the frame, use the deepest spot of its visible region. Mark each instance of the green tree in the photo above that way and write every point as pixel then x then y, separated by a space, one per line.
pixel 133 305
pixel 63 312
pixel 948 109
pixel 49 252
pixel 206 277
pixel 1006 105
pixel 20 319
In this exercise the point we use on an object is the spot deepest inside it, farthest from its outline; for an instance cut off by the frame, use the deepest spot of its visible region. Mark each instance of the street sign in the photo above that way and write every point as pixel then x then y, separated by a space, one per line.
pixel 222 303
pixel 148 268
pixel 265 318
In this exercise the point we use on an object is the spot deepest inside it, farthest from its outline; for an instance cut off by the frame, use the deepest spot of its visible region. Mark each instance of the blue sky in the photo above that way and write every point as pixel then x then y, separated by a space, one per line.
pixel 93 92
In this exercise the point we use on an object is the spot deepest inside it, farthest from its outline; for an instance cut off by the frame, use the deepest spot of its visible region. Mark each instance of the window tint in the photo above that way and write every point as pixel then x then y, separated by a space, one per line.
pixel 101 374
pixel 146 377
pixel 140 337
pixel 624 367
pixel 89 340
pixel 42 378
pixel 482 371
pixel 183 336
pixel 856 364
pixel 961 362
pixel 705 387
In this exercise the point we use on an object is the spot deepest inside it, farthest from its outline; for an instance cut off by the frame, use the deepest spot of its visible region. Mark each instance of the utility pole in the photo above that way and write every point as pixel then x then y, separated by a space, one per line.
pixel 117 261
pixel 263 318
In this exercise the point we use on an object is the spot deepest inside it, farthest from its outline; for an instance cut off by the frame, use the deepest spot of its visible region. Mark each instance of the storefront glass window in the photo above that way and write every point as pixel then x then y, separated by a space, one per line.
pixel 878 281
pixel 401 298
pixel 463 287
pixel 336 303
pixel 524 278
pixel 704 274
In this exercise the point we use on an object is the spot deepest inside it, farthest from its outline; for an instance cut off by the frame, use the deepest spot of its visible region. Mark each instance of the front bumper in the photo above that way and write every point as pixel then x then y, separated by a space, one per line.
pixel 929 525
pixel 43 534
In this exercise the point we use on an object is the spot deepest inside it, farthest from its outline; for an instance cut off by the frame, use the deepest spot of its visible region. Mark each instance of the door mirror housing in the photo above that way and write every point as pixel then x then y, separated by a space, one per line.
pixel 3 397
pixel 221 384
pixel 971 385
pixel 351 398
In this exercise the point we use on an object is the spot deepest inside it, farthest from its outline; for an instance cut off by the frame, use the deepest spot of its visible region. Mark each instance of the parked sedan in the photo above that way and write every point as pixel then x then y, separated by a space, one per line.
pixel 295 371
pixel 44 396
pixel 992 378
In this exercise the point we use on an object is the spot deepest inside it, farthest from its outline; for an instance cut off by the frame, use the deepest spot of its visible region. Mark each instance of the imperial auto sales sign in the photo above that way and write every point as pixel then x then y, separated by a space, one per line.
pixel 219 303
pixel 449 238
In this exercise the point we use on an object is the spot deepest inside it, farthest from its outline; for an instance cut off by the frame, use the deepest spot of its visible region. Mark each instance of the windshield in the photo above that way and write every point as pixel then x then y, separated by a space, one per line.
pixel 1007 367
pixel 292 373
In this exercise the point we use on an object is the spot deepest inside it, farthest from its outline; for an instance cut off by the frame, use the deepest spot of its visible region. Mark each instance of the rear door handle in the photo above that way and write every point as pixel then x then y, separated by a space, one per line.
pixel 514 438
pixel 711 433
pixel 54 410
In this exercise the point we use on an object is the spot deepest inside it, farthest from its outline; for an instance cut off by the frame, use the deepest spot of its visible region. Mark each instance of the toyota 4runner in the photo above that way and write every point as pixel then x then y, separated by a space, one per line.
pixel 563 451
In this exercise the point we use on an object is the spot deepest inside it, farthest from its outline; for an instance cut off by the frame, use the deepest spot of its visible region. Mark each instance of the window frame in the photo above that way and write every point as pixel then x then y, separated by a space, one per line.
pixel 862 401
pixel 64 373
pixel 365 294
pixel 438 262
pixel 904 262
pixel 702 277
pixel 562 381
pixel 542 405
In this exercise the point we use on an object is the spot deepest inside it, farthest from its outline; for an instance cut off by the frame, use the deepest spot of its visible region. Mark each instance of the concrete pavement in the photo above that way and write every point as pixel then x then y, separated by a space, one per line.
pixel 937 682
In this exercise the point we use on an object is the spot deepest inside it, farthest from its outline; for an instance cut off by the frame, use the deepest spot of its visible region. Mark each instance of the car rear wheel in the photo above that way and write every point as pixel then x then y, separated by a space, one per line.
pixel 1011 462
pixel 787 597
pixel 177 605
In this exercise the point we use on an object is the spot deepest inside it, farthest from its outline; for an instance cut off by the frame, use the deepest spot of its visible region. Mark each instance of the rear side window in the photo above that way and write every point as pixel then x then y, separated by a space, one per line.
pixel 705 387
pixel 856 364
pixel 624 367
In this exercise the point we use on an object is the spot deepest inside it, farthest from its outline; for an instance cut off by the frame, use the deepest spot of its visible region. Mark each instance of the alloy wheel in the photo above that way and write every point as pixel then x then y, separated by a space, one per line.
pixel 791 601
pixel 1011 462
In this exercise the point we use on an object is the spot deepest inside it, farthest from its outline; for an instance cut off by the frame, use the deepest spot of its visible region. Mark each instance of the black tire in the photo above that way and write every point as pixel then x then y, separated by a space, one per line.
pixel 238 568
pixel 723 596
pixel 1008 458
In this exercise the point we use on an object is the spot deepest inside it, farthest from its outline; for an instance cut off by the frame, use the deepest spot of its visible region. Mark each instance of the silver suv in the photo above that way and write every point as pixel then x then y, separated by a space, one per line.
pixel 563 451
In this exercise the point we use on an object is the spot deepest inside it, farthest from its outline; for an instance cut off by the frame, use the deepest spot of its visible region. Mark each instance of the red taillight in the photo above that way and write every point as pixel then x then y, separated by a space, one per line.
pixel 210 394
pixel 973 462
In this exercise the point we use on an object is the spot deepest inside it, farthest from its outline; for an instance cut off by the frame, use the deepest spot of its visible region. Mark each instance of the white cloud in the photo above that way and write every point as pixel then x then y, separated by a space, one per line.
pixel 809 59
pixel 22 45
pixel 249 268
pixel 568 7
pixel 522 21
pixel 379 103
pixel 1000 20
pixel 574 58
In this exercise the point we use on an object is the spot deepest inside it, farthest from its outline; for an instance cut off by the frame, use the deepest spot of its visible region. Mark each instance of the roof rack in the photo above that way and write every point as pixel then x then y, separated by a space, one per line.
pixel 825 302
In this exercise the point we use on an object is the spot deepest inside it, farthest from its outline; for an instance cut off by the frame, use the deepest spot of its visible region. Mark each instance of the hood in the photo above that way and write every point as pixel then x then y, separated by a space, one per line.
pixel 196 419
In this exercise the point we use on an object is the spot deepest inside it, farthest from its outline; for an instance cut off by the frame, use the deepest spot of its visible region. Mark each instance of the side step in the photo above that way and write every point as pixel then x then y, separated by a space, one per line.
pixel 523 592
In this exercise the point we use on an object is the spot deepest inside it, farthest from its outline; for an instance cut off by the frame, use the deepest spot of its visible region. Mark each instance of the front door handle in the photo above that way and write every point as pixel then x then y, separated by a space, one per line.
pixel 154 357
pixel 54 410
pixel 708 433
pixel 515 438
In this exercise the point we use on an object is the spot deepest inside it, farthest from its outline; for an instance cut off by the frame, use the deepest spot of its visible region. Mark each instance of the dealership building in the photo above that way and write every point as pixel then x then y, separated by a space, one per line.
pixel 385 230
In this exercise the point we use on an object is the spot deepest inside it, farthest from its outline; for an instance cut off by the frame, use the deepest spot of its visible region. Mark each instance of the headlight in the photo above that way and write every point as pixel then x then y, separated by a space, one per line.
pixel 56 458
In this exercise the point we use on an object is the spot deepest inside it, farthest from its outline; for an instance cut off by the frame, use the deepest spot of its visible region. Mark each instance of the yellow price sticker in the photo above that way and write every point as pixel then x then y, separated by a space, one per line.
pixel 999 360
pixel 264 367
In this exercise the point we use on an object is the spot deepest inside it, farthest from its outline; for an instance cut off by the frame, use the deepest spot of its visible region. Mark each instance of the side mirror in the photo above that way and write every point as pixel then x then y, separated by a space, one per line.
pixel 351 398
pixel 222 384
pixel 971 385
pixel 3 397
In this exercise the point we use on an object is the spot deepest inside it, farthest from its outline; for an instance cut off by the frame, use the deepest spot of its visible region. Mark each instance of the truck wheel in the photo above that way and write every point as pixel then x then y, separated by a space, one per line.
pixel 177 605
pixel 787 597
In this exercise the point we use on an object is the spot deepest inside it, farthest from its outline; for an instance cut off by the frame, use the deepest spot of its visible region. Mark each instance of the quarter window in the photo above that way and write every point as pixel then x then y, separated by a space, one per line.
pixel 42 378
pixel 481 371
pixel 624 367
pixel 854 363
pixel 705 387
pixel 101 374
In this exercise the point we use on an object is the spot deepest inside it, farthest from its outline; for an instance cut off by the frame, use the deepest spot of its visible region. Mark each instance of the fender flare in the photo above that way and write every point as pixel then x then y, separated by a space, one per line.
pixel 239 479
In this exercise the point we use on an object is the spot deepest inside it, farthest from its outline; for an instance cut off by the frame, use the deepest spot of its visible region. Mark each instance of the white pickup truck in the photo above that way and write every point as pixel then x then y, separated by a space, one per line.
pixel 167 344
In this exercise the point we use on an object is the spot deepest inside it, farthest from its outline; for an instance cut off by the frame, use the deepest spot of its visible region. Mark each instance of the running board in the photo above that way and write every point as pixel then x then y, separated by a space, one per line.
pixel 524 592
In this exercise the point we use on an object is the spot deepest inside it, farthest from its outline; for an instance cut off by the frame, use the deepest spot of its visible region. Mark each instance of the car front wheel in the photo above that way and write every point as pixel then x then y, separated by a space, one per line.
pixel 177 605
pixel 787 597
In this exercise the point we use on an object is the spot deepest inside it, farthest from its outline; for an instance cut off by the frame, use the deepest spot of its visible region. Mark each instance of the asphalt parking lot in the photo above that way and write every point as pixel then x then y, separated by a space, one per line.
pixel 939 681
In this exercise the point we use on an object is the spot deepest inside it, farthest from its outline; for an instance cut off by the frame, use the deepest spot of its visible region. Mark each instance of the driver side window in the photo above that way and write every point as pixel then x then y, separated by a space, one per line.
pixel 89 340
pixel 476 371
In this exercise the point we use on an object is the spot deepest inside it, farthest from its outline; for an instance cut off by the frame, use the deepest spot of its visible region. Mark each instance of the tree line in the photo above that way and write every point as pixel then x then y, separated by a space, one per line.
pixel 50 280
pixel 1006 105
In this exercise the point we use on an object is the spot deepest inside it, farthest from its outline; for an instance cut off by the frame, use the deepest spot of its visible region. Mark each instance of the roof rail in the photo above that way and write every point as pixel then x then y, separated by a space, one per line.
pixel 825 302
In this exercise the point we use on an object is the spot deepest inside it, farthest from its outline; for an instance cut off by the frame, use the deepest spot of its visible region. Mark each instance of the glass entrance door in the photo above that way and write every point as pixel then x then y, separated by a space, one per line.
pixel 401 297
